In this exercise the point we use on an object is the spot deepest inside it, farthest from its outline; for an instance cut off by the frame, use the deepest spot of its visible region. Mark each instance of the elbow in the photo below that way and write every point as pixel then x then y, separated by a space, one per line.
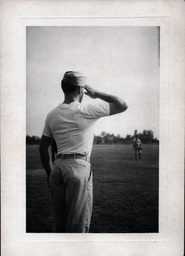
pixel 116 108
pixel 124 107
pixel 42 149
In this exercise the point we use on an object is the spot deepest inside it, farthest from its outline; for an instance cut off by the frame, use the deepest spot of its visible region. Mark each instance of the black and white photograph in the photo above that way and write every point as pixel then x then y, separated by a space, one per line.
pixel 92 163
pixel 92 127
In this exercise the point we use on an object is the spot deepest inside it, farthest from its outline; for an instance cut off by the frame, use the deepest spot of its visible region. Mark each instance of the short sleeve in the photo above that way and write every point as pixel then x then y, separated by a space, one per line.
pixel 95 110
pixel 47 131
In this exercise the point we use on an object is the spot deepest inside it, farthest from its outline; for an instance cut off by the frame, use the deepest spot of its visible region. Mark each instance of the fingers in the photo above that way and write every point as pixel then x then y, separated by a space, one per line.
pixel 87 87
pixel 88 94
pixel 89 91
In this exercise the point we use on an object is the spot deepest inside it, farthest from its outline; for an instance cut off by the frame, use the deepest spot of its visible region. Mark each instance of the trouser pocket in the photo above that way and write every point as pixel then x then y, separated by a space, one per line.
pixel 90 174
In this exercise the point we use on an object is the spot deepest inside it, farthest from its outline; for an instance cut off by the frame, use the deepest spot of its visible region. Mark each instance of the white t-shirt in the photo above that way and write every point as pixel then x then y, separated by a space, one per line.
pixel 72 126
pixel 137 142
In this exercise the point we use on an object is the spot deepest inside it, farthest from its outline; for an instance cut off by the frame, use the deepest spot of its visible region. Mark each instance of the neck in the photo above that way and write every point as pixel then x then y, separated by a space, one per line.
pixel 70 98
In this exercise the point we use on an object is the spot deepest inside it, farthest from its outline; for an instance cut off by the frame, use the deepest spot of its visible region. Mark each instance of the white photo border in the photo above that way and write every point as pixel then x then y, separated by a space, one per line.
pixel 16 16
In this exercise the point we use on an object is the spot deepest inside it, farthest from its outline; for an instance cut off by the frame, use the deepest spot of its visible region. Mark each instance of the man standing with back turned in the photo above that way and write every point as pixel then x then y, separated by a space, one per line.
pixel 71 124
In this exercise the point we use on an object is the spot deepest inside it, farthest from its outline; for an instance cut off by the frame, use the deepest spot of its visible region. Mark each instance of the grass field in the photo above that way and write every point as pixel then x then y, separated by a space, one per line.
pixel 125 190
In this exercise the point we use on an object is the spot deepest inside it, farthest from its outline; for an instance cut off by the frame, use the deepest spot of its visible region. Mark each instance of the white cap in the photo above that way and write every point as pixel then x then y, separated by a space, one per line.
pixel 74 78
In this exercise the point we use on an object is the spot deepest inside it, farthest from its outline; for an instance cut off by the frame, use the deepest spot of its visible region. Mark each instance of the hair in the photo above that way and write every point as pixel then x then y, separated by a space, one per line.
pixel 67 88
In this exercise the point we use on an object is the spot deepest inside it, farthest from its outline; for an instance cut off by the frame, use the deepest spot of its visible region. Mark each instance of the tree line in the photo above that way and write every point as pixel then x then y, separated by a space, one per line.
pixel 146 137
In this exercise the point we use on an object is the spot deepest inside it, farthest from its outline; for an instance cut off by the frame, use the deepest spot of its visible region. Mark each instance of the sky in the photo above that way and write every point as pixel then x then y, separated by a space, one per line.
pixel 118 60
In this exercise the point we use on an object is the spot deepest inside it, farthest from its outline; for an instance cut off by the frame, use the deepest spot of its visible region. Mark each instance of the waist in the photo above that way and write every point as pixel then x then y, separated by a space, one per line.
pixel 73 156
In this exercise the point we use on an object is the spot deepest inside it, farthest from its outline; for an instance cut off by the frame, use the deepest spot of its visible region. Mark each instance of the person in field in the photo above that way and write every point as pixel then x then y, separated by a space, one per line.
pixel 71 124
pixel 137 147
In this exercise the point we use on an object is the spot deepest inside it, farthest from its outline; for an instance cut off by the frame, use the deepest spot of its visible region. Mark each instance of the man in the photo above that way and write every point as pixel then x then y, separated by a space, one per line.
pixel 72 124
pixel 137 147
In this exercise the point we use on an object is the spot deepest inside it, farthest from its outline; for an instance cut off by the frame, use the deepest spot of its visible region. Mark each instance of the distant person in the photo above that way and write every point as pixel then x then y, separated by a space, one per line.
pixel 137 147
pixel 72 125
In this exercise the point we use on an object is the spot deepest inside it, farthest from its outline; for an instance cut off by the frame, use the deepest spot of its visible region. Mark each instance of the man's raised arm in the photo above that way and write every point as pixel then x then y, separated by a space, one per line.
pixel 116 104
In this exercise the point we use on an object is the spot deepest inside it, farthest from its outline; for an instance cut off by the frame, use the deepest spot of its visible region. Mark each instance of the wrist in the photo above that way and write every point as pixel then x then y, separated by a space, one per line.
pixel 97 94
pixel 106 97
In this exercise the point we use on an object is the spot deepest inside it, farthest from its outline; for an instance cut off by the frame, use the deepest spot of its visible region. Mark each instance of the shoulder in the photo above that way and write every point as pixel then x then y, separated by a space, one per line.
pixel 53 112
pixel 96 104
pixel 95 109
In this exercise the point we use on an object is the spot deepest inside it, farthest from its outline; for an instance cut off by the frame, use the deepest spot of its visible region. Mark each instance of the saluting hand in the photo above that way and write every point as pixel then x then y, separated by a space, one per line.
pixel 90 92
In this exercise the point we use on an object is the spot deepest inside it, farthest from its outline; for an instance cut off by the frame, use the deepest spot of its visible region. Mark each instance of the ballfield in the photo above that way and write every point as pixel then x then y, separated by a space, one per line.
pixel 125 190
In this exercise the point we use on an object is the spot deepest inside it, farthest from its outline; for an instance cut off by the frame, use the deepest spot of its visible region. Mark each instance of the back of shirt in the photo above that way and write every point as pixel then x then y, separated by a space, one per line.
pixel 72 126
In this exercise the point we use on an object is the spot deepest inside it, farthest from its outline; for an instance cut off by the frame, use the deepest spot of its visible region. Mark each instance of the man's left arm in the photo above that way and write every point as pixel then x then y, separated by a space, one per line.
pixel 44 154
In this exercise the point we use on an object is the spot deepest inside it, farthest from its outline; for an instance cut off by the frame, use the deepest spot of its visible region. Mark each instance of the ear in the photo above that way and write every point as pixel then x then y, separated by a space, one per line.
pixel 78 89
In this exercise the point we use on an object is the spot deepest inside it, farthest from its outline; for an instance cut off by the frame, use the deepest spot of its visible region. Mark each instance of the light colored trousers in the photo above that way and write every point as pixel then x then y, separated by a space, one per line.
pixel 71 195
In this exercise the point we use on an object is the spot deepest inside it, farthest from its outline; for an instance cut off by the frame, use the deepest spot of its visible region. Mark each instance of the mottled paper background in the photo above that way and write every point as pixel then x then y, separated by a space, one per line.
pixel 16 15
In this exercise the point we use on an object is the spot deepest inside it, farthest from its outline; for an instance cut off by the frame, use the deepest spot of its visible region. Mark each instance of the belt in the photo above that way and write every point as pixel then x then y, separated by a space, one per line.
pixel 73 156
